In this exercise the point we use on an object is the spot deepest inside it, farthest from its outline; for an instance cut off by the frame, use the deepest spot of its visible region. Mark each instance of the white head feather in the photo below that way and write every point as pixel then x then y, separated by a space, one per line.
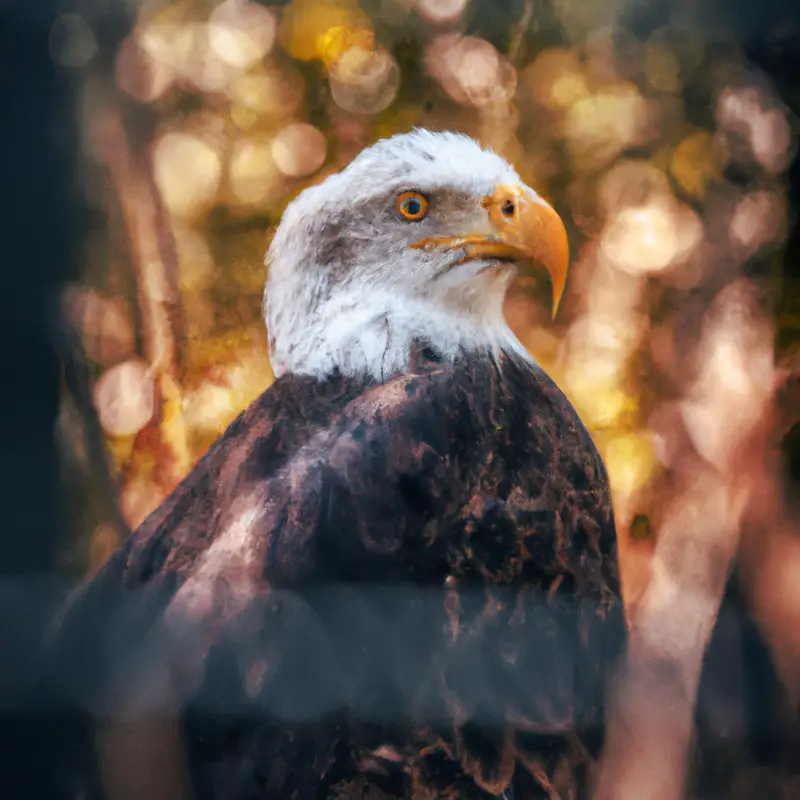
pixel 345 290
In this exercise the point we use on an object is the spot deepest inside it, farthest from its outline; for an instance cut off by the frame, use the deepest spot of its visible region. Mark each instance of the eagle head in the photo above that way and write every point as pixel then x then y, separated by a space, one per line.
pixel 416 240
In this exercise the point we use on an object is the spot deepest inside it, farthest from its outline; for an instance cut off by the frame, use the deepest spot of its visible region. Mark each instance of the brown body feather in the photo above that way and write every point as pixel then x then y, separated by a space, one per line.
pixel 408 588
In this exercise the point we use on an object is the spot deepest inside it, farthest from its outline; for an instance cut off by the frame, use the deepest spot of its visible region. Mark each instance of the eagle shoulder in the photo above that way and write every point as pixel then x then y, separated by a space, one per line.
pixel 377 546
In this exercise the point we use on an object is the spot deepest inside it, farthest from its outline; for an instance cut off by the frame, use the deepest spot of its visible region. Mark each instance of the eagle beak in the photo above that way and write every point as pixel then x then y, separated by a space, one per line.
pixel 523 227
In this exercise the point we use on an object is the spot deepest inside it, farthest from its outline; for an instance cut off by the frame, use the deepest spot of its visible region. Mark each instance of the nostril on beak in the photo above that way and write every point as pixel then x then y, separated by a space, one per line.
pixel 502 204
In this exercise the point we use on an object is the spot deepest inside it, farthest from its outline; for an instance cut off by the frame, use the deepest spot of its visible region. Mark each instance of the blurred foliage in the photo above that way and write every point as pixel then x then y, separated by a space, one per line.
pixel 663 149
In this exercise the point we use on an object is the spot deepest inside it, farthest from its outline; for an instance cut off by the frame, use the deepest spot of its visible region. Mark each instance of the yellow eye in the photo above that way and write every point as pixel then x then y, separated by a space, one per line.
pixel 411 206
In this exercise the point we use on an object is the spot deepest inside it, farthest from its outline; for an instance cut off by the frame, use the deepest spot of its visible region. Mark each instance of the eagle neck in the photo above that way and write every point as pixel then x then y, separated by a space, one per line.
pixel 378 338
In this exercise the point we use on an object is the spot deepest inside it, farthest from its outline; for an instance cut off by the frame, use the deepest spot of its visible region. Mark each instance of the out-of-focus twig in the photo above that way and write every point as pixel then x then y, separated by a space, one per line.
pixel 76 377
pixel 144 757
pixel 770 549
pixel 652 711
pixel 519 30
pixel 653 708
pixel 155 264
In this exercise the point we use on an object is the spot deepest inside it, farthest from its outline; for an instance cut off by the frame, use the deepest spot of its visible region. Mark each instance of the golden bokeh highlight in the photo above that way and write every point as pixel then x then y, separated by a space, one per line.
pixel 318 29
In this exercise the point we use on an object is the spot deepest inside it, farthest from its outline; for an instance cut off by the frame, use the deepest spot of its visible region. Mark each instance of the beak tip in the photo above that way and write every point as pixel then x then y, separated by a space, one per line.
pixel 556 304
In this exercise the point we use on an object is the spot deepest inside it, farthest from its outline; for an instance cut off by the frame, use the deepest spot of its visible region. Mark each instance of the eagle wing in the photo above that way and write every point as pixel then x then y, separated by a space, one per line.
pixel 428 564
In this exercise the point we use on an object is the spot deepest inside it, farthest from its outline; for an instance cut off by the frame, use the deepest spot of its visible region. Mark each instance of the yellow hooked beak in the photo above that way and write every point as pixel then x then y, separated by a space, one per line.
pixel 523 227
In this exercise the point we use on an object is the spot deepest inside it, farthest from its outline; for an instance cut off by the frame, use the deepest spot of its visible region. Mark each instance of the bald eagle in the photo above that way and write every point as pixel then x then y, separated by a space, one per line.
pixel 395 575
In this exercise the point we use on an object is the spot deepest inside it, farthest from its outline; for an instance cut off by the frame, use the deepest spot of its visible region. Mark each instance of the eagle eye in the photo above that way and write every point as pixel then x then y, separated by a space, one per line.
pixel 411 206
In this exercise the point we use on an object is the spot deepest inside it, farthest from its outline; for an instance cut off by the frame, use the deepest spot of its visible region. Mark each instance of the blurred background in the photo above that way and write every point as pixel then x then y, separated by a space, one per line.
pixel 665 134
pixel 149 151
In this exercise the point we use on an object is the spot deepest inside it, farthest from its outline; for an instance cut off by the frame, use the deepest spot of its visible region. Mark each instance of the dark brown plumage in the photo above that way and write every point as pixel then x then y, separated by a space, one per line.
pixel 406 589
